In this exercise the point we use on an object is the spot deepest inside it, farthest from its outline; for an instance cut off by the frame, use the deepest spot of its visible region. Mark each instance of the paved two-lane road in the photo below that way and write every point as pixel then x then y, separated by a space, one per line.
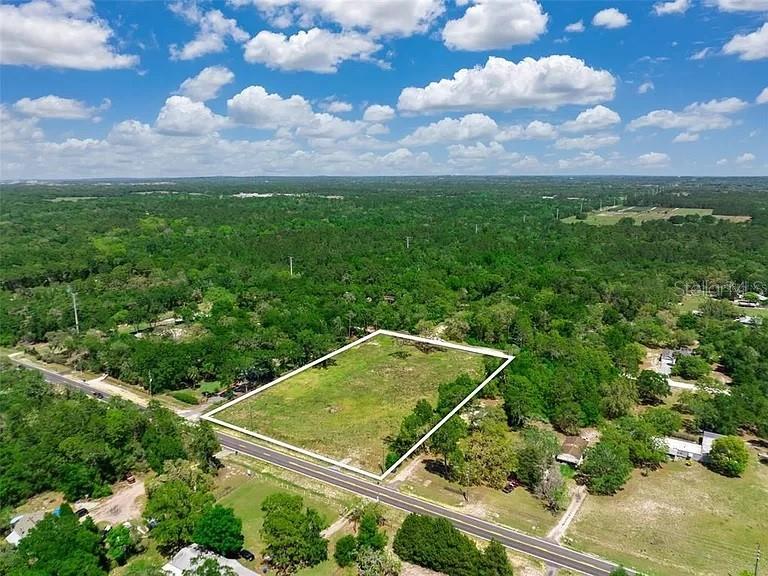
pixel 547 551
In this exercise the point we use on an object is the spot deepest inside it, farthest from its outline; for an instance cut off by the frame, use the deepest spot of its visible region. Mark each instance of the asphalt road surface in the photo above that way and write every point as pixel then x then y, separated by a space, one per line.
pixel 549 552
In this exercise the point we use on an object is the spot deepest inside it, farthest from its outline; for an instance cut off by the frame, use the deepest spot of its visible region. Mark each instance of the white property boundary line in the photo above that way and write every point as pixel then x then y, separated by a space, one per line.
pixel 440 343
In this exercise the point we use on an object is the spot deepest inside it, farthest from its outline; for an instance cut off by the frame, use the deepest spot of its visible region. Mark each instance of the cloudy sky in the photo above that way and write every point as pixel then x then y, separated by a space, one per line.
pixel 370 87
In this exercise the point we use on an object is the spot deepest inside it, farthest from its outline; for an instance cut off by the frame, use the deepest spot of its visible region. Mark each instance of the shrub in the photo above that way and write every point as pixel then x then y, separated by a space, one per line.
pixel 729 456
pixel 346 551
pixel 184 396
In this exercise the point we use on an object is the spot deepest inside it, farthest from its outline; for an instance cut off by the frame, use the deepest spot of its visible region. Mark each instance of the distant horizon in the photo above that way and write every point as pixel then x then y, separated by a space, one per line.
pixel 151 180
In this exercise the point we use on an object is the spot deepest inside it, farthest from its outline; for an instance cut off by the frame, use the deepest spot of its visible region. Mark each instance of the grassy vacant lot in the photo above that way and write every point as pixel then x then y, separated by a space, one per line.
pixel 611 216
pixel 348 409
pixel 518 509
pixel 679 521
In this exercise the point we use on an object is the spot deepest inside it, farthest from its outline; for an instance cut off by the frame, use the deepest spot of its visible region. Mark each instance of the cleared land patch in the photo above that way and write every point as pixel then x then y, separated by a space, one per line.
pixel 679 521
pixel 612 215
pixel 347 407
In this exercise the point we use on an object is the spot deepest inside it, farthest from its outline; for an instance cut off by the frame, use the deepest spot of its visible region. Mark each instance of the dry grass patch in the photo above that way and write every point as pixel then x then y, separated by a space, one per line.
pixel 680 520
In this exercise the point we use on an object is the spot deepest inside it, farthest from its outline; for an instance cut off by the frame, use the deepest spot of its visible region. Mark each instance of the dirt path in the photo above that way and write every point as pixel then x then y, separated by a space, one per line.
pixel 407 471
pixel 101 383
pixel 579 494
pixel 337 526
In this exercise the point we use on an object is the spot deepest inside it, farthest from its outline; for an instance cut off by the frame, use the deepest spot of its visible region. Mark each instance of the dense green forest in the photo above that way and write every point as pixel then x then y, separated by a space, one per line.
pixel 482 260
pixel 72 443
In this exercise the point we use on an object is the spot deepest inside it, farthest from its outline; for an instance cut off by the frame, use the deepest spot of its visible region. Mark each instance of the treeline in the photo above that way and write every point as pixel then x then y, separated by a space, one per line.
pixel 68 442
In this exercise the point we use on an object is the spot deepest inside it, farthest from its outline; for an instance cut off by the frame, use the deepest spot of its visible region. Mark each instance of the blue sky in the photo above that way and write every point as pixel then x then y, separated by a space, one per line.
pixel 304 87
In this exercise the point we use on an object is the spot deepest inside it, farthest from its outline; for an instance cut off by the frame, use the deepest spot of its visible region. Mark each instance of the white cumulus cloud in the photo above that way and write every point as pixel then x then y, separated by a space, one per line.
pixel 598 118
pixel 587 142
pixel 315 50
pixel 337 106
pixel 184 117
pixel 213 30
pixel 575 27
pixel 535 130
pixel 672 7
pixel 206 85
pixel 745 158
pixel 762 98
pixel 652 159
pixel 740 5
pixel 752 46
pixel 696 117
pixel 255 107
pixel 378 113
pixel 548 82
pixel 611 18
pixel 56 107
pixel 686 137
pixel 380 18
pixel 60 34
pixel 583 160
pixel 493 24
pixel 469 127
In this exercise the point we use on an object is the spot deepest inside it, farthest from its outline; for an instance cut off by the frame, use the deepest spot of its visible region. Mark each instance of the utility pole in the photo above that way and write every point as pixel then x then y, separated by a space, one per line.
pixel 150 384
pixel 582 206
pixel 757 559
pixel 558 214
pixel 407 242
pixel 290 263
pixel 74 307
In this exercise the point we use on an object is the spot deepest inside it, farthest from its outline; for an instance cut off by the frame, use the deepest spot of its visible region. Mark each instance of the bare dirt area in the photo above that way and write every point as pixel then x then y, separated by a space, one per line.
pixel 124 505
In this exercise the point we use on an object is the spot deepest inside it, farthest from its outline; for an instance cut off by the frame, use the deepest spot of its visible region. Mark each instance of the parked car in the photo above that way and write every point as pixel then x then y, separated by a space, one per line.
pixel 130 478
pixel 81 512
pixel 247 555
pixel 98 395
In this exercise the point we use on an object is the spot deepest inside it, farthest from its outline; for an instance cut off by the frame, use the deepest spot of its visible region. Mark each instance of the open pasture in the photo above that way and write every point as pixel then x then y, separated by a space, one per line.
pixel 613 214
pixel 346 407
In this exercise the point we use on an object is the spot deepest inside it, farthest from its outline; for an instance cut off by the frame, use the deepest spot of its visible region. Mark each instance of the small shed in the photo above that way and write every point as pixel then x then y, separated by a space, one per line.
pixel 572 450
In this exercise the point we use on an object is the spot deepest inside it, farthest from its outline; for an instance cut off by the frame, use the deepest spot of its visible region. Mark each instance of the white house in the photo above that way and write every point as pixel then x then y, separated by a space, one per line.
pixel 191 556
pixel 21 525
pixel 688 450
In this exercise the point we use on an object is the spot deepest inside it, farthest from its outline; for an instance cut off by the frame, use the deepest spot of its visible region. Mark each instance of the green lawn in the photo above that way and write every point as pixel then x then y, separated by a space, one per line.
pixel 347 410
pixel 518 509
pixel 679 521
pixel 246 498
pixel 246 493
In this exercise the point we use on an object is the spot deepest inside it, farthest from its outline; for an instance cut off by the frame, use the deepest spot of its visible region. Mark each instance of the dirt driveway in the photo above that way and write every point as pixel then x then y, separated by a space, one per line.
pixel 125 504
